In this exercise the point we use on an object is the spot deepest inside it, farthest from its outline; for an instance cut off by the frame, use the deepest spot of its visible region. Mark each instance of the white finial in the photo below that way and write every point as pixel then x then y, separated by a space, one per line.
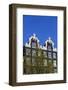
pixel 49 38
pixel 38 41
pixel 34 35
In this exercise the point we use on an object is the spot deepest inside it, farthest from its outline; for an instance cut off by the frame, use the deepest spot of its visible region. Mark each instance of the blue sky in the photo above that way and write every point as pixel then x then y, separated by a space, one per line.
pixel 42 26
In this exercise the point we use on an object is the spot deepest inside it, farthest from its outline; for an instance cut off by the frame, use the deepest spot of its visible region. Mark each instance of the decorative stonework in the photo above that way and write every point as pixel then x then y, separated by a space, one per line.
pixel 35 38
pixel 50 41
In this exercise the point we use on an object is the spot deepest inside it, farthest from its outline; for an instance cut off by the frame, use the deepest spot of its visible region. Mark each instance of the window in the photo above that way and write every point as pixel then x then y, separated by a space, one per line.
pixel 49 48
pixel 39 53
pixel 45 62
pixel 33 52
pixel 54 63
pixel 49 54
pixel 33 61
pixel 54 55
pixel 28 61
pixel 33 44
pixel 50 64
pixel 50 61
pixel 28 52
pixel 45 53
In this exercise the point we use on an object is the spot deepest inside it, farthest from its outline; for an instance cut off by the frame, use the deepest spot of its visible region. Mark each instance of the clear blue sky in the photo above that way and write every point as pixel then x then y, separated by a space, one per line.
pixel 42 26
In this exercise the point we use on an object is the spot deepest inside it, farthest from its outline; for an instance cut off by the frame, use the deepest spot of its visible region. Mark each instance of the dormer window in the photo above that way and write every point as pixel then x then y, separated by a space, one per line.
pixel 49 44
pixel 49 48
pixel 33 41
pixel 33 44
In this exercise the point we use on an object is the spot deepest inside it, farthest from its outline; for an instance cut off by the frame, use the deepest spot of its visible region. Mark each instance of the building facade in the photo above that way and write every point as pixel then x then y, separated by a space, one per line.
pixel 38 59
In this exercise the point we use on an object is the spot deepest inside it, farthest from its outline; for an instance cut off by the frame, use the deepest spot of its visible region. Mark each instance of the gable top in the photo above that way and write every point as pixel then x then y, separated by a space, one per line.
pixel 34 38
pixel 49 41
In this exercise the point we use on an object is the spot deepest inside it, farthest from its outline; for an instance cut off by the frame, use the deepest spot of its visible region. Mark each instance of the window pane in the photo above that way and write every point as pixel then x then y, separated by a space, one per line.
pixel 49 55
pixel 49 48
pixel 54 55
pixel 54 63
pixel 28 52
pixel 33 61
pixel 33 52
pixel 50 61
pixel 45 62
pixel 39 53
pixel 33 44
pixel 50 64
pixel 28 61
pixel 45 53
